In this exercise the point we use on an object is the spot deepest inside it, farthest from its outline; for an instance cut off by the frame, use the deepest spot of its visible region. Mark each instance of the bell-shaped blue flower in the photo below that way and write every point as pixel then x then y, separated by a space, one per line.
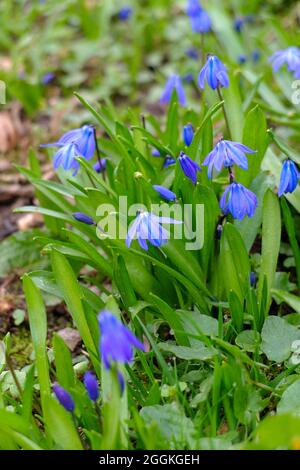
pixel 239 24
pixel 238 201
pixel 155 153
pixel 48 78
pixel 125 13
pixel 242 59
pixel 214 73
pixel 252 279
pixel 64 398
pixel 91 385
pixel 193 7
pixel 192 53
pixel 189 167
pixel 84 218
pixel 100 166
pixel 65 157
pixel 83 137
pixel 256 55
pixel 188 77
pixel 199 18
pixel 289 178
pixel 289 56
pixel 147 227
pixel 188 134
pixel 117 341
pixel 174 83
pixel 169 161
pixel 164 192
pixel 201 23
pixel 225 154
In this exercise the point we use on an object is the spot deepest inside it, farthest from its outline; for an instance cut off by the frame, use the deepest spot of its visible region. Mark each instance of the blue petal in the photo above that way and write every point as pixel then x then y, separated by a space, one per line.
pixel 165 193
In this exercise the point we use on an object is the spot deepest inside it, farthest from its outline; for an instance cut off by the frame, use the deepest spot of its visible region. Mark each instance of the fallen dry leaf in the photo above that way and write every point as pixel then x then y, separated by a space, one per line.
pixel 8 133
pixel 71 337
pixel 29 221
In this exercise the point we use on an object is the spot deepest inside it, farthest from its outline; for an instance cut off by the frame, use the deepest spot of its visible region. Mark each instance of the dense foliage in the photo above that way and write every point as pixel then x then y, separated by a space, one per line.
pixel 182 348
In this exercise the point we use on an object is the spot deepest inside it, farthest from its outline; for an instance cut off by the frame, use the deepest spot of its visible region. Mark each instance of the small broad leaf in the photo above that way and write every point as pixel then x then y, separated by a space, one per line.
pixel 200 353
pixel 249 340
pixel 171 422
pixel 290 400
pixel 277 338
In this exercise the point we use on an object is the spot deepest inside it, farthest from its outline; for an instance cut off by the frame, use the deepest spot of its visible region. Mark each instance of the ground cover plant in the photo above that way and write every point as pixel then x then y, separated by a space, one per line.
pixel 169 243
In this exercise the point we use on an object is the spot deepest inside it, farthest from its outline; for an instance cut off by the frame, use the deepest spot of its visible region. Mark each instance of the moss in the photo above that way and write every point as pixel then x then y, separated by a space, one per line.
pixel 22 348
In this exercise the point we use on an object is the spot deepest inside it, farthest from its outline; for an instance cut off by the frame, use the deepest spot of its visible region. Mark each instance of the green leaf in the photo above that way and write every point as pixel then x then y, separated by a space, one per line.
pixel 234 107
pixel 237 311
pixel 255 137
pixel 19 251
pixel 38 328
pixel 291 231
pixel 173 320
pixel 70 289
pixel 63 363
pixel 277 338
pixel 290 299
pixel 234 260
pixel 199 353
pixel 89 250
pixel 290 400
pixel 271 235
pixel 249 340
pixel 171 422
pixel 171 134
pixel 60 426
pixel 249 227
pixel 123 283
pixel 269 434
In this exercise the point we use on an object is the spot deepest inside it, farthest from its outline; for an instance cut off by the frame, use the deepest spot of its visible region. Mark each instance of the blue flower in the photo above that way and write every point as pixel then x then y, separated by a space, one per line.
pixel 81 217
pixel 188 134
pixel 100 166
pixel 47 78
pixel 239 24
pixel 192 53
pixel 173 83
pixel 155 153
pixel 225 154
pixel 165 193
pixel 147 226
pixel 256 55
pixel 83 137
pixel 91 385
pixel 199 18
pixel 201 23
pixel 188 77
pixel 189 167
pixel 125 13
pixel 239 201
pixel 242 59
pixel 121 381
pixel 193 7
pixel 289 56
pixel 289 178
pixel 64 398
pixel 65 157
pixel 117 341
pixel 252 279
pixel 169 161
pixel 214 73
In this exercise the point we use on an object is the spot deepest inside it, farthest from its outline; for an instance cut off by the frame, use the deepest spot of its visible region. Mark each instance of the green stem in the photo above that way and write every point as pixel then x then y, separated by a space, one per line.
pixel 224 111
pixel 12 371
pixel 102 170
